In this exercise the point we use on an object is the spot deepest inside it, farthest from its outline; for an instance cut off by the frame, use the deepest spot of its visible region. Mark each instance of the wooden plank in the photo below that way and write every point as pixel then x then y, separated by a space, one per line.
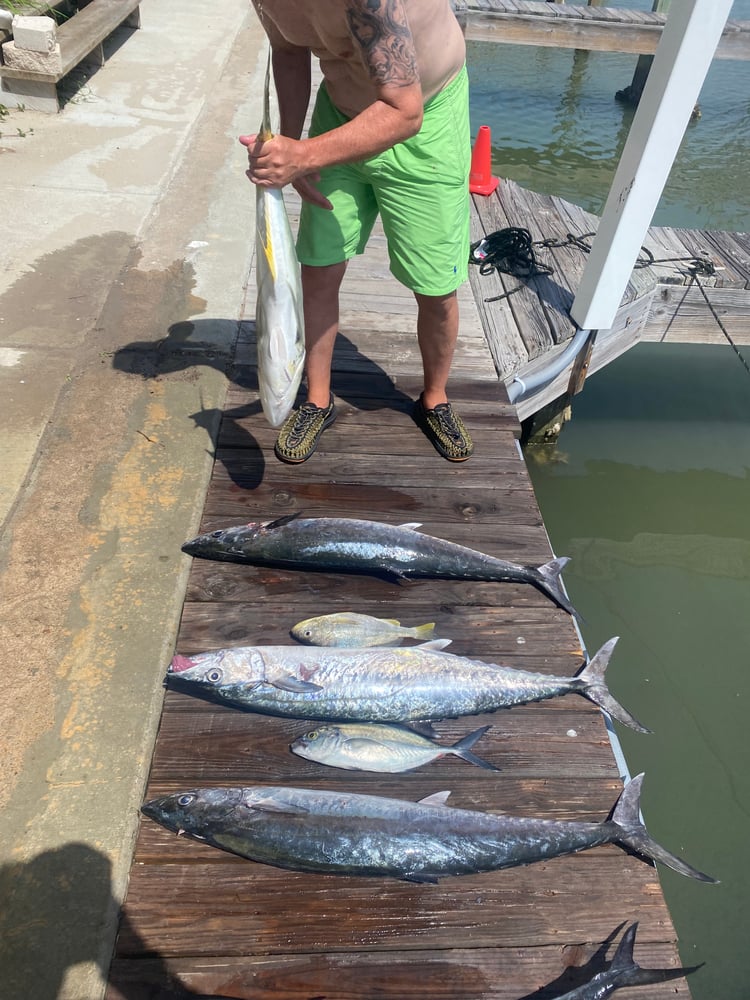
pixel 490 290
pixel 498 635
pixel 682 315
pixel 557 32
pixel 238 748
pixel 265 910
pixel 604 29
pixel 733 249
pixel 450 974
pixel 79 35
pixel 552 290
pixel 531 319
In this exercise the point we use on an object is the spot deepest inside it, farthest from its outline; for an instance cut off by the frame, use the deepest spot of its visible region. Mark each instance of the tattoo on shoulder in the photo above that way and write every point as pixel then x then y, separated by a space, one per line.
pixel 382 31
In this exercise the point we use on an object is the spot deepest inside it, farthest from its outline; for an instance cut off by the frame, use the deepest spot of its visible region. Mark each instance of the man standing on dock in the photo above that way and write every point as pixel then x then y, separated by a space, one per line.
pixel 389 135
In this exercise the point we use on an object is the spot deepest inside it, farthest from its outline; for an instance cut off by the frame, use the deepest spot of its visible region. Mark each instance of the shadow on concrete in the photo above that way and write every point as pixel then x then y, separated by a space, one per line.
pixel 228 346
pixel 53 910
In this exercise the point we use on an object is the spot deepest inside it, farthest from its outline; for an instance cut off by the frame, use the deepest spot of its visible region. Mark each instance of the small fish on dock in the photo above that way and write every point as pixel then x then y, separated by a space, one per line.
pixel 343 833
pixel 352 545
pixel 382 748
pixel 622 971
pixel 349 629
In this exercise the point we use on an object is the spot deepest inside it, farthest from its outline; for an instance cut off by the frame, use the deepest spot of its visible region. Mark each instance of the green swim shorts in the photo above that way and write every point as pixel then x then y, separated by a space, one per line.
pixel 420 188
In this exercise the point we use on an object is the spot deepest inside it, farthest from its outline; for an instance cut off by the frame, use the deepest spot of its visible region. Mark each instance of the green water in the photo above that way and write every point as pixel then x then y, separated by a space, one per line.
pixel 648 492
pixel 648 489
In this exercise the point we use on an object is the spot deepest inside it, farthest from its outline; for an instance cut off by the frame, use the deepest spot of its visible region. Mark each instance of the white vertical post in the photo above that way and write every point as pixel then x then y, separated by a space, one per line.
pixel 681 62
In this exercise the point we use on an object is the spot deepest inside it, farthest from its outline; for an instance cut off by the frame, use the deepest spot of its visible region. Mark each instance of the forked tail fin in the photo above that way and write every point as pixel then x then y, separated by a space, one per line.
pixel 463 749
pixel 547 579
pixel 630 832
pixel 625 971
pixel 265 132
pixel 594 687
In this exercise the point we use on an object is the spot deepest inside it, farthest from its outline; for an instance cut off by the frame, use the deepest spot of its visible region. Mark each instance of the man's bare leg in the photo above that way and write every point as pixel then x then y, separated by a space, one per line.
pixel 320 291
pixel 437 333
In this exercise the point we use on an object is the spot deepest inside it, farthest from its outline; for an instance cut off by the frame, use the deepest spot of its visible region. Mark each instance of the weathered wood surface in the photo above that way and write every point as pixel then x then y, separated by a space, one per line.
pixel 670 294
pixel 200 920
pixel 579 26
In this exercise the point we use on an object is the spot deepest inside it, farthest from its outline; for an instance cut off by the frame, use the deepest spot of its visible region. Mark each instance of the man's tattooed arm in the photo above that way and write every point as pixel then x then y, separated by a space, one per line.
pixel 381 30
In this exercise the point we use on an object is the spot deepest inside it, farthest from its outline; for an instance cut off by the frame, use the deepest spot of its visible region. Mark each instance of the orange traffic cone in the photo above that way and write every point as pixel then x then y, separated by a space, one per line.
pixel 481 180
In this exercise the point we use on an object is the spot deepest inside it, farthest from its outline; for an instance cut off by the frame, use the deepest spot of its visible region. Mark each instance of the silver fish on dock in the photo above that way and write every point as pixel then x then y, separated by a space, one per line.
pixel 351 545
pixel 623 971
pixel 363 746
pixel 342 833
pixel 279 322
pixel 402 684
pixel 352 630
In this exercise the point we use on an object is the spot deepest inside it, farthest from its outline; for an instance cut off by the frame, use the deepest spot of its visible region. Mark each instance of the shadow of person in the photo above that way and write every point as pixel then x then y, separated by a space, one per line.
pixel 240 452
pixel 207 343
pixel 54 909
pixel 228 346
pixel 57 912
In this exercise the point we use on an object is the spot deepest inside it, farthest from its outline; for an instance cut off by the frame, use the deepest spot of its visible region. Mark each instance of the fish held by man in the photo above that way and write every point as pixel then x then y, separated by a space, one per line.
pixel 352 545
pixel 363 746
pixel 624 971
pixel 279 322
pixel 349 629
pixel 381 684
pixel 342 833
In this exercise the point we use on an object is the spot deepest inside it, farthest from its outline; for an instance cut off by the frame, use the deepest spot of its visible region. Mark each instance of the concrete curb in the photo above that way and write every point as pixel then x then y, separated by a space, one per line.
pixel 113 466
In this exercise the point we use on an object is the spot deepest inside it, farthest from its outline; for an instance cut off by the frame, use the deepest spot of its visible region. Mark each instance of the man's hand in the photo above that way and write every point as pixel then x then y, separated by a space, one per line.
pixel 276 162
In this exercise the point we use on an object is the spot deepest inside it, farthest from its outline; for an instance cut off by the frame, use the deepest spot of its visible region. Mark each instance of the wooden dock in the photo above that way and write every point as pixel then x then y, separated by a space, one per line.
pixel 689 286
pixel 199 921
pixel 580 26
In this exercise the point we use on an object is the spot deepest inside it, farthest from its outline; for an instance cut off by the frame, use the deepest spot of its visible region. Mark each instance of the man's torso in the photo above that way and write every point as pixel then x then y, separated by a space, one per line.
pixel 322 27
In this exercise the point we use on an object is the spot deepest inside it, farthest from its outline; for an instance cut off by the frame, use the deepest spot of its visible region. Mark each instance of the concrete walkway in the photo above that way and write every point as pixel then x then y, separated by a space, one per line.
pixel 127 223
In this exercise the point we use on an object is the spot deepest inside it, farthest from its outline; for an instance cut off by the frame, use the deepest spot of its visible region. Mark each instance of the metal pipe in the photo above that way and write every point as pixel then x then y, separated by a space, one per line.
pixel 519 387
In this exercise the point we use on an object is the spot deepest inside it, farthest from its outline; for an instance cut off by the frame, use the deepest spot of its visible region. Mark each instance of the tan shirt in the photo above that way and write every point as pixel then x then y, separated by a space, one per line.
pixel 321 26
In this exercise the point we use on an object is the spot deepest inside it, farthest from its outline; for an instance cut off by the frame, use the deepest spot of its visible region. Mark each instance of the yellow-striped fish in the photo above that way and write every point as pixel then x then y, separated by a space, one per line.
pixel 349 629
pixel 279 324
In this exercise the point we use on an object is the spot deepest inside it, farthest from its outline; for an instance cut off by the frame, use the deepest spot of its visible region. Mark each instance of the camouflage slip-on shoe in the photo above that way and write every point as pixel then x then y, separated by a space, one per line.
pixel 300 432
pixel 446 430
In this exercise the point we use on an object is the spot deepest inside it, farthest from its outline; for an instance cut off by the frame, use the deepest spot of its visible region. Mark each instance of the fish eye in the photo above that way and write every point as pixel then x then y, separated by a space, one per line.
pixel 185 800
pixel 217 534
pixel 214 675
pixel 307 633
pixel 312 735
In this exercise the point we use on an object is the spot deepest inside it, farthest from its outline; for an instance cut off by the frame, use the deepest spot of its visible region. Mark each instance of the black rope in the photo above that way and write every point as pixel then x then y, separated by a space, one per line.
pixel 721 326
pixel 511 251
pixel 508 250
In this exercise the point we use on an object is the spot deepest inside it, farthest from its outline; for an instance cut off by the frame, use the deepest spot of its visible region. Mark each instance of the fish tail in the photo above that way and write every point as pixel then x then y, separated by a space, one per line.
pixel 423 632
pixel 547 579
pixel 629 973
pixel 626 971
pixel 462 749
pixel 265 132
pixel 592 685
pixel 630 832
